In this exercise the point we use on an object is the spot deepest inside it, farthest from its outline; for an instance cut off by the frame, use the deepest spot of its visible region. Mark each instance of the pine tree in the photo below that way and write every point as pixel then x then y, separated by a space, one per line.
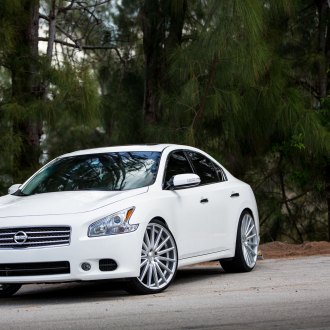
pixel 239 99
pixel 36 91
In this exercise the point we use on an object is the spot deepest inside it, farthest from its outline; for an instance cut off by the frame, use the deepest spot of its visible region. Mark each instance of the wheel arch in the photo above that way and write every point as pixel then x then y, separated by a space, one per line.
pixel 247 209
pixel 162 220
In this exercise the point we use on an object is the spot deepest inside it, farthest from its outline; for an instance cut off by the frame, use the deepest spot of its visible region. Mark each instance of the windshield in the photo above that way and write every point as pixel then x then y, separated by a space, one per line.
pixel 108 171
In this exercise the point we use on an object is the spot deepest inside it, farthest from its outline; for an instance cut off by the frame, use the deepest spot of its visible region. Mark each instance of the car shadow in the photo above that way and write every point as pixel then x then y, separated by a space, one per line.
pixel 74 292
pixel 197 273
pixel 82 292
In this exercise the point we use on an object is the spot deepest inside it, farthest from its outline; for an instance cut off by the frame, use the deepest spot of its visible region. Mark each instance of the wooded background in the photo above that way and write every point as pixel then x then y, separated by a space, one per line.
pixel 245 80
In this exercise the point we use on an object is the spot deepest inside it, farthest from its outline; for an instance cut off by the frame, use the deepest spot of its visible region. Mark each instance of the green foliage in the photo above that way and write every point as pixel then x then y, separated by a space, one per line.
pixel 119 107
pixel 74 91
pixel 8 8
pixel 28 103
pixel 242 84
pixel 235 95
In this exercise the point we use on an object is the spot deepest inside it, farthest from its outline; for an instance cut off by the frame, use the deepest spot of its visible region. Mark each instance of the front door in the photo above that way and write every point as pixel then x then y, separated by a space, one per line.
pixel 200 212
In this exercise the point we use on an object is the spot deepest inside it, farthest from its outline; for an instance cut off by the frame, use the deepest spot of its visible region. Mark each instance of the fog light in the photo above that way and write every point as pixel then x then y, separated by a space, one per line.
pixel 86 266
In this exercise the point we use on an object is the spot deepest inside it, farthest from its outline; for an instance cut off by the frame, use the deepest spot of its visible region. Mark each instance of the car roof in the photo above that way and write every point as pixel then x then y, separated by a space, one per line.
pixel 133 147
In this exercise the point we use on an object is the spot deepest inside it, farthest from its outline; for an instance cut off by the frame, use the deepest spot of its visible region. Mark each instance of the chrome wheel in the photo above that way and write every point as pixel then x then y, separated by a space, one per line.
pixel 246 246
pixel 158 257
pixel 249 240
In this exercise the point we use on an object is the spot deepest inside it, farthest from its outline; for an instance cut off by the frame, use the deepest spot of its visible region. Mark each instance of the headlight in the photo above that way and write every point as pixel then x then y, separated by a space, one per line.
pixel 117 223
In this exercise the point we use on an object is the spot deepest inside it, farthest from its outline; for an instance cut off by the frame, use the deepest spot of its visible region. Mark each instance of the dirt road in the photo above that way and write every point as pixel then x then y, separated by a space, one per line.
pixel 278 294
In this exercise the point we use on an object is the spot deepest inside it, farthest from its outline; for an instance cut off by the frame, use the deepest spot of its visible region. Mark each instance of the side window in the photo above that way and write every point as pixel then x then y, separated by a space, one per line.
pixel 177 164
pixel 204 168
pixel 221 173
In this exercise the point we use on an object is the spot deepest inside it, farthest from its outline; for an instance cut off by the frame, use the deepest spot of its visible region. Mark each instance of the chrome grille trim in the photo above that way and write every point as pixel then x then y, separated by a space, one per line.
pixel 31 232
pixel 41 236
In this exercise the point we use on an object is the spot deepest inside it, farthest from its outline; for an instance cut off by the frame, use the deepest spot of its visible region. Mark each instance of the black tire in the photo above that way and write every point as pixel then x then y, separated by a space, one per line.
pixel 136 285
pixel 241 262
pixel 7 290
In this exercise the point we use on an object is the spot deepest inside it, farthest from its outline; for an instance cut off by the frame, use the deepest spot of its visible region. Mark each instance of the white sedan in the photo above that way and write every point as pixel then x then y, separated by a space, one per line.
pixel 136 212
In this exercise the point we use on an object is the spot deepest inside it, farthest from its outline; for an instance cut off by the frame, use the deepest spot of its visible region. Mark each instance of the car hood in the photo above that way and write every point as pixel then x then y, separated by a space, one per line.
pixel 64 202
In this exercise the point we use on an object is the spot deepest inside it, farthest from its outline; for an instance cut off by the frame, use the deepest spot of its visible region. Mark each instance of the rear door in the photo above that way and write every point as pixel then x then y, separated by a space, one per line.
pixel 217 203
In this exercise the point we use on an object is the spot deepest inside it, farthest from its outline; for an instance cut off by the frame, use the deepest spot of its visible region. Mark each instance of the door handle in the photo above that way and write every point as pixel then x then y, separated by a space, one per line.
pixel 234 194
pixel 204 200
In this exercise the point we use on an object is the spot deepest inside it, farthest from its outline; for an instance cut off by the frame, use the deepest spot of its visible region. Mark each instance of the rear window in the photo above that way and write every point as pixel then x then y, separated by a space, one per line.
pixel 204 168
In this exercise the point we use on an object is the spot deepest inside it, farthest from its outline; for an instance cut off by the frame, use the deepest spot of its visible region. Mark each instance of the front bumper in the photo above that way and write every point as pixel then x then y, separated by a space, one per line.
pixel 124 249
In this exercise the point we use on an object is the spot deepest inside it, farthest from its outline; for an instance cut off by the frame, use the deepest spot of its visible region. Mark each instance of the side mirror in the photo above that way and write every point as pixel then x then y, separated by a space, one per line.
pixel 13 188
pixel 185 180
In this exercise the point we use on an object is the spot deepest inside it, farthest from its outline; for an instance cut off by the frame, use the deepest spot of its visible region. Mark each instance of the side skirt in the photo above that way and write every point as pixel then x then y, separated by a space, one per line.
pixel 206 257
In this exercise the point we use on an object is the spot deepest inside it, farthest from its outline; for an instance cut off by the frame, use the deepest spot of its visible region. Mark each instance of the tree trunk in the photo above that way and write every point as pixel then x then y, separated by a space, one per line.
pixel 323 74
pixel 52 30
pixel 26 86
pixel 327 193
pixel 323 16
pixel 177 19
pixel 153 37
pixel 162 28
pixel 291 216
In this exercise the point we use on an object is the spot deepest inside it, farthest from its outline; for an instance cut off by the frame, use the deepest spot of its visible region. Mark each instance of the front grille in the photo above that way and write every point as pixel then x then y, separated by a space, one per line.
pixel 28 237
pixel 35 268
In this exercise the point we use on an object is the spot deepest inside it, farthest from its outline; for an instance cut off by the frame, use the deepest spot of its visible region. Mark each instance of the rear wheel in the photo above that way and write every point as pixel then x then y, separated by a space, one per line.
pixel 159 260
pixel 7 290
pixel 246 246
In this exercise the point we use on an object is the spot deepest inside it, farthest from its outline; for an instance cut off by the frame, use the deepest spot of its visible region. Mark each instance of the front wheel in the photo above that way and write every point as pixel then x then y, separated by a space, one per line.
pixel 7 290
pixel 159 260
pixel 246 246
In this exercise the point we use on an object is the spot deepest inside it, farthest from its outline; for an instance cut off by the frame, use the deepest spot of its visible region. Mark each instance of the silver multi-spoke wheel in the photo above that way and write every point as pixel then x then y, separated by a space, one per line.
pixel 158 257
pixel 249 240
pixel 246 246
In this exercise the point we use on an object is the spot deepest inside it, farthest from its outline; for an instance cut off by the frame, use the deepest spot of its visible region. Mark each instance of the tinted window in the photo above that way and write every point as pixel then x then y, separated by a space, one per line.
pixel 110 171
pixel 204 168
pixel 177 164
pixel 220 172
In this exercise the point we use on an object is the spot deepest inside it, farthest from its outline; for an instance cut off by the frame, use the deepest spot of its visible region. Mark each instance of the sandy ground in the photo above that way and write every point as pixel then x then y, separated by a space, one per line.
pixel 276 250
